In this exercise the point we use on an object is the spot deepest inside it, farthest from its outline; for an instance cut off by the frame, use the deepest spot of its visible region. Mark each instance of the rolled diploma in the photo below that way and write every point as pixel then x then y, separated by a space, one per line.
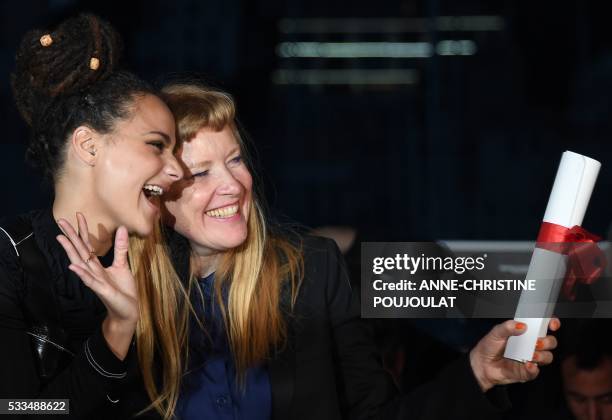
pixel 567 205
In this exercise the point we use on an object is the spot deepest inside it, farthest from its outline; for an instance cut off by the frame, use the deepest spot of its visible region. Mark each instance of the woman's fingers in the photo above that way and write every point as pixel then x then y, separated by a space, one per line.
pixel 489 366
pixel 82 244
pixel 508 328
pixel 78 243
pixel 532 370
pixel 73 254
pixel 77 261
pixel 543 357
pixel 547 343
pixel 89 280
pixel 122 243
pixel 554 324
pixel 83 230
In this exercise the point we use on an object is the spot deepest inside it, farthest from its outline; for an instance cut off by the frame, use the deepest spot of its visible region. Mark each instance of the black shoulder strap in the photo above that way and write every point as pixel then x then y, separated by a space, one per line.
pixel 39 301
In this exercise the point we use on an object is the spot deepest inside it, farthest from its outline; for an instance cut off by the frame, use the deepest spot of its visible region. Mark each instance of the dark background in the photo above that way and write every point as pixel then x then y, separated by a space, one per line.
pixel 466 149
pixel 460 147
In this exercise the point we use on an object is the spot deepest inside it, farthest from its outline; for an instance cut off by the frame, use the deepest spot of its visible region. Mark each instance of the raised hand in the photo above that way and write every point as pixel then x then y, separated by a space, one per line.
pixel 491 368
pixel 114 285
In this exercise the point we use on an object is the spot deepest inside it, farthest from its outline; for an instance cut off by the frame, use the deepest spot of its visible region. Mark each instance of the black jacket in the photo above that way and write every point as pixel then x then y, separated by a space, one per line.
pixel 329 368
pixel 90 378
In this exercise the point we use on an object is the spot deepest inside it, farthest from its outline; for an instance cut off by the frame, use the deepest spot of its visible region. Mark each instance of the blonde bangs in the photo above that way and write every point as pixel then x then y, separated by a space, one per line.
pixel 193 111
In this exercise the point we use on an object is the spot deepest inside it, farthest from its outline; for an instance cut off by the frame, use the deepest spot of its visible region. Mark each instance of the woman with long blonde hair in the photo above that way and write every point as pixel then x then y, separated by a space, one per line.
pixel 277 332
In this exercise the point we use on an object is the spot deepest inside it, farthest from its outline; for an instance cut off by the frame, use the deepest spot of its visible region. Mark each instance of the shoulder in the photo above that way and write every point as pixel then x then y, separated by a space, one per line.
pixel 315 251
pixel 324 264
pixel 319 249
pixel 319 254
pixel 13 230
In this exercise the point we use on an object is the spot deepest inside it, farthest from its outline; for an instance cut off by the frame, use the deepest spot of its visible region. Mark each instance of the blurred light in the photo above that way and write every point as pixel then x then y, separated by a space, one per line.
pixel 450 47
pixel 374 49
pixel 355 49
pixel 345 77
pixel 391 25
pixel 470 23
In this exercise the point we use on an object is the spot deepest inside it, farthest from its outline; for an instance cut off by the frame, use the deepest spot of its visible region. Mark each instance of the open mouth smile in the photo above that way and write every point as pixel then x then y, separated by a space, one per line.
pixel 151 190
pixel 223 212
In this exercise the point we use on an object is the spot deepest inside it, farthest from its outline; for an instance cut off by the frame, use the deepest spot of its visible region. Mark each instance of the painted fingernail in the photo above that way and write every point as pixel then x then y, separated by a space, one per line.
pixel 535 357
pixel 539 344
pixel 520 326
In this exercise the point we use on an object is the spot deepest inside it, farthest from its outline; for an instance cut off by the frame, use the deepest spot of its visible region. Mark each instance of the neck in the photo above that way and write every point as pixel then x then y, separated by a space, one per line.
pixel 70 199
pixel 206 261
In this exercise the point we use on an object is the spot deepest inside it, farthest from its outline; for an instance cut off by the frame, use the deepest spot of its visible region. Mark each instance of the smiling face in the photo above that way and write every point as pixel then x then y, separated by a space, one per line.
pixel 134 164
pixel 210 206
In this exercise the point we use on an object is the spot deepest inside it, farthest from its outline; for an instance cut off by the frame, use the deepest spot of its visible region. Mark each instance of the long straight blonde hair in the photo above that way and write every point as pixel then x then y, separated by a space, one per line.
pixel 255 272
pixel 162 329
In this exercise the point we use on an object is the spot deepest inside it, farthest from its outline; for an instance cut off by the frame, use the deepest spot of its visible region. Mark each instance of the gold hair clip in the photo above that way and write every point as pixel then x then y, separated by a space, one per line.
pixel 46 40
pixel 94 63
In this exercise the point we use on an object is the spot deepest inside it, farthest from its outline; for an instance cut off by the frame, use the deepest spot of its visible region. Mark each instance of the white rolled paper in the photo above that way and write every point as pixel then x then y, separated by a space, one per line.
pixel 567 205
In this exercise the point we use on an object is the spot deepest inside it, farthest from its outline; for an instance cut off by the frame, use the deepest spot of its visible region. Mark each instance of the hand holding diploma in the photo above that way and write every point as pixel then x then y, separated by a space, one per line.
pixel 564 215
pixel 491 368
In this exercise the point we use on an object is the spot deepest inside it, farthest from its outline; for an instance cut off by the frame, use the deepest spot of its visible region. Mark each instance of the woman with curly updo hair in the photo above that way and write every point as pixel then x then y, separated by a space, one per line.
pixel 105 140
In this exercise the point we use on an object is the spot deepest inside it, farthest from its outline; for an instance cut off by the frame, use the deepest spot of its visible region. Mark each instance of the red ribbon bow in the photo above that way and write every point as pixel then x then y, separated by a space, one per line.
pixel 586 260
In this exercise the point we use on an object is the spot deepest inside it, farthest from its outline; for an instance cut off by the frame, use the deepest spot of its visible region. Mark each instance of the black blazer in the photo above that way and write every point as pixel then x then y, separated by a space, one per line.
pixel 330 367
pixel 92 376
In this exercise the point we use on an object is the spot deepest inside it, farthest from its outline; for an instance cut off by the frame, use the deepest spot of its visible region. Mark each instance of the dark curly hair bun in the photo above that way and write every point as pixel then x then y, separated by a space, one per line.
pixel 63 68
pixel 57 87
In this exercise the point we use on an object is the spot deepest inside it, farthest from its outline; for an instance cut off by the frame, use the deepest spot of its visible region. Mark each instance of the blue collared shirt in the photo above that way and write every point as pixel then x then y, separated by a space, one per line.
pixel 210 390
